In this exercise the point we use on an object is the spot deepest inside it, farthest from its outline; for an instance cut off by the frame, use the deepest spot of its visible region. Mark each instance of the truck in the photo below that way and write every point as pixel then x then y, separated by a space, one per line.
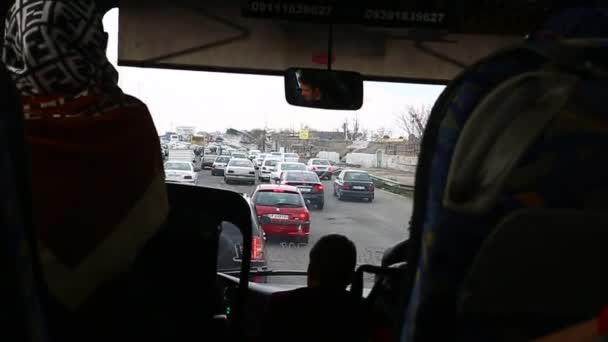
pixel 198 140
pixel 181 155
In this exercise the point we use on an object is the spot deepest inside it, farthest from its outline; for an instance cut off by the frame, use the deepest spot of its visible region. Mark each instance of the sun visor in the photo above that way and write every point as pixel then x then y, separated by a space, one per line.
pixel 219 35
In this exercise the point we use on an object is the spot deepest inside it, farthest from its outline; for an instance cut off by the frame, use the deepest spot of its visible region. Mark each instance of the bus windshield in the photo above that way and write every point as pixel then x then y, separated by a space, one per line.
pixel 249 112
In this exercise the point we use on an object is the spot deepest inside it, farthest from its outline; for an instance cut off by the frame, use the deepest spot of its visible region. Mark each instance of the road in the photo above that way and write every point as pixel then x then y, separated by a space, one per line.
pixel 373 227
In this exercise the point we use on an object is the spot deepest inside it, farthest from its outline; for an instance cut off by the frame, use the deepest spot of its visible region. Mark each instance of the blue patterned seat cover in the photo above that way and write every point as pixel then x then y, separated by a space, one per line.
pixel 572 148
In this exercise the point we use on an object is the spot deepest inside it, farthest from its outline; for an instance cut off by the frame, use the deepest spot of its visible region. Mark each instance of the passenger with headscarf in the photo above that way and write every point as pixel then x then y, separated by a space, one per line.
pixel 96 201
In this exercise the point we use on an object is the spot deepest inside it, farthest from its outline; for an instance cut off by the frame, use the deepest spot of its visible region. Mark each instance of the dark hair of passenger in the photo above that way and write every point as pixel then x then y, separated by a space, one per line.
pixel 311 79
pixel 332 262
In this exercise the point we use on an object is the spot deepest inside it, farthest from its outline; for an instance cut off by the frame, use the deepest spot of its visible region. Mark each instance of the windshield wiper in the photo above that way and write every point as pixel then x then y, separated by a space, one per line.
pixel 264 271
pixel 286 205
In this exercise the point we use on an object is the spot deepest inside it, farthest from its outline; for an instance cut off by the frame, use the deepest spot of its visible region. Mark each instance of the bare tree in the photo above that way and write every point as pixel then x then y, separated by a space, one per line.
pixel 355 129
pixel 413 119
pixel 352 129
pixel 381 134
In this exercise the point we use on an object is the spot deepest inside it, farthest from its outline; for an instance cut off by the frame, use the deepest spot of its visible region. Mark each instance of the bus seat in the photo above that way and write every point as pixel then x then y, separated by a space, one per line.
pixel 538 264
pixel 513 134
pixel 22 290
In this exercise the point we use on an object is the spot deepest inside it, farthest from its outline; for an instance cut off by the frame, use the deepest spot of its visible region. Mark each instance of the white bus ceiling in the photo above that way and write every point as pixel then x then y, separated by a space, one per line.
pixel 214 35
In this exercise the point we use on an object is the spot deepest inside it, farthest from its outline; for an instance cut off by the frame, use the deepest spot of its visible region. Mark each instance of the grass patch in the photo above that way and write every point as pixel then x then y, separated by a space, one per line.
pixel 395 189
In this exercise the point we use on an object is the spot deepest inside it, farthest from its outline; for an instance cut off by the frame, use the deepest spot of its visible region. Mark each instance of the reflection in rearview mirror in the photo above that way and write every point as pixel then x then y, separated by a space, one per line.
pixel 326 89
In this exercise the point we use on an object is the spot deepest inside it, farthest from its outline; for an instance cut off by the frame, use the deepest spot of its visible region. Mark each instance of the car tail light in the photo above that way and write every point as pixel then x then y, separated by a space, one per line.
pixel 278 190
pixel 303 216
pixel 257 248
pixel 370 187
pixel 346 186
pixel 318 187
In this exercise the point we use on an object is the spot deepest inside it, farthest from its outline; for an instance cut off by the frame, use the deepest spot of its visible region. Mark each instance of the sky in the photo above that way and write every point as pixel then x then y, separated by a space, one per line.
pixel 213 101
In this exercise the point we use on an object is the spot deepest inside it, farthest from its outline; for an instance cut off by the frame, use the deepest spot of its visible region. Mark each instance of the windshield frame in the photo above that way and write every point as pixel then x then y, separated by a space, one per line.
pixel 276 161
pixel 190 169
pixel 314 177
pixel 223 159
pixel 282 164
pixel 317 162
pixel 369 179
pixel 255 197
pixel 232 163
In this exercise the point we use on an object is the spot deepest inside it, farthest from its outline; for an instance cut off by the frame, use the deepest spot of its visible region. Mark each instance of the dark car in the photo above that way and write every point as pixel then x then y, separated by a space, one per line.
pixel 355 184
pixel 309 185
pixel 219 165
pixel 231 244
pixel 208 160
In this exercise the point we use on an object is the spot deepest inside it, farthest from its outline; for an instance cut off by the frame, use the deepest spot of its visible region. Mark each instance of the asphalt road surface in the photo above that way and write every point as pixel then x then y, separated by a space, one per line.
pixel 373 227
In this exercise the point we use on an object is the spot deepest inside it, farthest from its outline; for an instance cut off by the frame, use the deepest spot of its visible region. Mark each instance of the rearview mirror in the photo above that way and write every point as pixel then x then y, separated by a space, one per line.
pixel 326 89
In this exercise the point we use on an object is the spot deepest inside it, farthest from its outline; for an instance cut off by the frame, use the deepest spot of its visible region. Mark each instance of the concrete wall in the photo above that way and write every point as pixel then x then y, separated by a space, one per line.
pixel 368 160
pixel 332 156
pixel 401 163
pixel 363 159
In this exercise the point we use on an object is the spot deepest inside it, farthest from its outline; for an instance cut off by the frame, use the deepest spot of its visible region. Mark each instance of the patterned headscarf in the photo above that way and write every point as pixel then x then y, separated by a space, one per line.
pixel 90 225
pixel 57 47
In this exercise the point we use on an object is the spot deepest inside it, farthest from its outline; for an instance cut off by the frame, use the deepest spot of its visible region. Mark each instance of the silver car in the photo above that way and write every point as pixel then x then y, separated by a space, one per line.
pixel 239 170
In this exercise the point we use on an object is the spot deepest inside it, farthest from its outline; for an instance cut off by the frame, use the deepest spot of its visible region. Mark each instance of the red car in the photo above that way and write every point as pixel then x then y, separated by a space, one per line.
pixel 281 211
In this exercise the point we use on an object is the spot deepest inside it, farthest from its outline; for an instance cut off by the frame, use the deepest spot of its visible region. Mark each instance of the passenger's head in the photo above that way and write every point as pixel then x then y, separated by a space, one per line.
pixel 311 86
pixel 332 262
pixel 57 47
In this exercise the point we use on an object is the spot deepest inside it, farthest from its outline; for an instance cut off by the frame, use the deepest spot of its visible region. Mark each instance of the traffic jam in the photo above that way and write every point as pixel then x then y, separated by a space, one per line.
pixel 287 190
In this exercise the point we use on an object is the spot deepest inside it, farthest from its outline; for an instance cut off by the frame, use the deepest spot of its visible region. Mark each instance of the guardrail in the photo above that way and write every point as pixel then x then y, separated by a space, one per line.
pixel 392 185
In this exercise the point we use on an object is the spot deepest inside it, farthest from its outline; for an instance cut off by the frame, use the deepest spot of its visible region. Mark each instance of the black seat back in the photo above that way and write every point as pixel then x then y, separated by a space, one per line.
pixel 539 265
pixel 170 293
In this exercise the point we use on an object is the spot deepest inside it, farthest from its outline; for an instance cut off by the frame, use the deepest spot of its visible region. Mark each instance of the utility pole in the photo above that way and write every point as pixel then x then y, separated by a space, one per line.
pixel 264 137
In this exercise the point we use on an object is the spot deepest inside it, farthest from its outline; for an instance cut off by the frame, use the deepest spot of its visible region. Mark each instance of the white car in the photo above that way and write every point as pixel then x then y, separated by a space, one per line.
pixel 268 166
pixel 291 157
pixel 259 159
pixel 322 167
pixel 239 170
pixel 286 166
pixel 180 171
pixel 279 155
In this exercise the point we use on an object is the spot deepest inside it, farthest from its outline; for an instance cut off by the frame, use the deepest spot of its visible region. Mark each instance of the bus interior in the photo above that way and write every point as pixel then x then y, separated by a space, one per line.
pixel 499 270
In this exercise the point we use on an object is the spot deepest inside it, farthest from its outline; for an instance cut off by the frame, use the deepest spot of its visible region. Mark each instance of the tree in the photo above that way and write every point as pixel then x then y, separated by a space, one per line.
pixel 260 138
pixel 413 120
pixel 381 134
pixel 352 129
